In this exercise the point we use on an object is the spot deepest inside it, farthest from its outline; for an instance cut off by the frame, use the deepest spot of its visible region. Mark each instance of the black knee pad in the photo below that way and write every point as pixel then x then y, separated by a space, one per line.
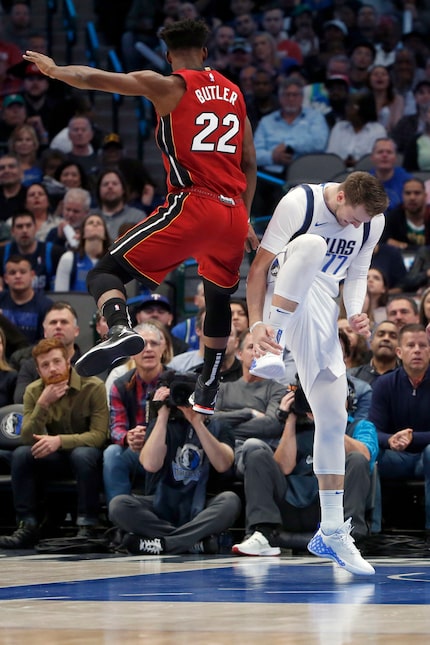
pixel 106 275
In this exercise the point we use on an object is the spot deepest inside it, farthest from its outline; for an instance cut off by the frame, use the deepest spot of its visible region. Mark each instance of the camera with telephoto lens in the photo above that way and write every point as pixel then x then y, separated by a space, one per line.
pixel 181 385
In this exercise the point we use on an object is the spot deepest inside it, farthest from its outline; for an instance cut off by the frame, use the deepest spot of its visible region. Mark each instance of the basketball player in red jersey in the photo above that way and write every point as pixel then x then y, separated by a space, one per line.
pixel 208 153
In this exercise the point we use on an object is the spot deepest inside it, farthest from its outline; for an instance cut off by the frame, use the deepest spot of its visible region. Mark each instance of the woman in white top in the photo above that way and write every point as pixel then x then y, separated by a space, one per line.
pixel 354 137
pixel 74 265
pixel 390 105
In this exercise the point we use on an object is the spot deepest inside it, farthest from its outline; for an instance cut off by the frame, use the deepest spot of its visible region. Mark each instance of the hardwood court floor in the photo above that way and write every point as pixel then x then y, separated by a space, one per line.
pixel 210 600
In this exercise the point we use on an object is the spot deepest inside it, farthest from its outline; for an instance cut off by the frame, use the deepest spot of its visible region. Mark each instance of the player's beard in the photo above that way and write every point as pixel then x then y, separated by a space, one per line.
pixel 59 378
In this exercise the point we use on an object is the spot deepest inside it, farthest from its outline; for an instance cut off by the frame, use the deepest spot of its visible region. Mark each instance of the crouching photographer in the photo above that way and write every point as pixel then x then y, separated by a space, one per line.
pixel 281 490
pixel 183 451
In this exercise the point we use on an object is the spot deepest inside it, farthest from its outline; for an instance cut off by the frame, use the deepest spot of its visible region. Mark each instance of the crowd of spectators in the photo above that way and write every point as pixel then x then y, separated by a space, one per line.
pixel 343 78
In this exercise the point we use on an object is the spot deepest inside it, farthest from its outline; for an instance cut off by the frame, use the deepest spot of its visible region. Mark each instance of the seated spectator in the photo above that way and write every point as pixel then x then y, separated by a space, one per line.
pixel 16 340
pixel 389 260
pixel 417 151
pixel 191 452
pixel 383 344
pixel 337 87
pixel 112 197
pixel 246 24
pixel 376 297
pixel 418 276
pixel 303 129
pixel 389 104
pixel 81 133
pixel 128 400
pixel 249 405
pixel 186 329
pixel 354 138
pixel 399 411
pixel 71 175
pixel 411 125
pixel 75 207
pixel 406 75
pixel 281 491
pixel 402 310
pixel 362 55
pixel 25 307
pixel 50 160
pixel 7 374
pixel 333 40
pixel 18 26
pixel 284 135
pixel 265 54
pixel 83 108
pixel 24 144
pixel 263 99
pixel 406 226
pixel 156 306
pixel 74 265
pixel 219 44
pixel 239 314
pixel 60 322
pixel 43 256
pixel 316 94
pixel 141 188
pixel 239 57
pixel 12 192
pixel 385 168
pixel 304 33
pixel 13 114
pixel 64 430
pixel 424 308
pixel 37 202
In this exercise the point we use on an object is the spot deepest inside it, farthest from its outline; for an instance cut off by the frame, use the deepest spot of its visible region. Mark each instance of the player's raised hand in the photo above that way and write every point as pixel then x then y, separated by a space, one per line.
pixel 44 63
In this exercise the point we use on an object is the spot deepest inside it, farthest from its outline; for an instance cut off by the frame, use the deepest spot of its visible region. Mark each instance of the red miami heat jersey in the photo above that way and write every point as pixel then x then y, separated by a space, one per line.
pixel 201 140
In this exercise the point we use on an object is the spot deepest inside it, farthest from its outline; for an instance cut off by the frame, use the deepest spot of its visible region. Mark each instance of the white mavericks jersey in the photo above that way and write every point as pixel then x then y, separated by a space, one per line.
pixel 347 258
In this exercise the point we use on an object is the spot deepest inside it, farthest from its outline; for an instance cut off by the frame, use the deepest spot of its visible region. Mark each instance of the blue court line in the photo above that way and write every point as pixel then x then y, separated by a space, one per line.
pixel 271 583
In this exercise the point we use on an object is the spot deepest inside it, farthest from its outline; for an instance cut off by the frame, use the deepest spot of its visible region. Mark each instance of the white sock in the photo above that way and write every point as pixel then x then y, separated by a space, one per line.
pixel 331 502
pixel 278 319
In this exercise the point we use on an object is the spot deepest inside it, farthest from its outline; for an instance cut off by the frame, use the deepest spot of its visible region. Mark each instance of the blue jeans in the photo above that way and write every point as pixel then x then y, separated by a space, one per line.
pixel 122 471
pixel 408 465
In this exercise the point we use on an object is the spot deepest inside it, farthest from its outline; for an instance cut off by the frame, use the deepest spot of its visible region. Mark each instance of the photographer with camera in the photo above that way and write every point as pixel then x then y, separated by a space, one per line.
pixel 128 398
pixel 281 490
pixel 185 452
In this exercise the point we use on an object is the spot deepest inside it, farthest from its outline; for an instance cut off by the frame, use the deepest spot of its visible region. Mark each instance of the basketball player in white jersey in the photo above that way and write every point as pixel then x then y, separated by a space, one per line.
pixel 319 235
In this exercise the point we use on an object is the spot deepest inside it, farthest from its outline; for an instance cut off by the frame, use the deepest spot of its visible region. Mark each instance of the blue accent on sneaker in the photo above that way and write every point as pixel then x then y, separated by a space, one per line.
pixel 317 546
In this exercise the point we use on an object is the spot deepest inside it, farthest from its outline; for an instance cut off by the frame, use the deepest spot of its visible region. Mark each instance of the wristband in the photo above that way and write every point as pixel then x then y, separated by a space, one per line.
pixel 254 325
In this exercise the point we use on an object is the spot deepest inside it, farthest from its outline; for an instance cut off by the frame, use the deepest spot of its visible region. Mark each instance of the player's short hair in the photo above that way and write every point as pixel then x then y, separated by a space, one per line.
pixel 363 189
pixel 185 34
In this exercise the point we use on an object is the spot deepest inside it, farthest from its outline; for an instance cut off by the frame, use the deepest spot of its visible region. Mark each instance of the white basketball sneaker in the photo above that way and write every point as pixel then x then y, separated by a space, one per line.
pixel 256 544
pixel 340 547
pixel 268 366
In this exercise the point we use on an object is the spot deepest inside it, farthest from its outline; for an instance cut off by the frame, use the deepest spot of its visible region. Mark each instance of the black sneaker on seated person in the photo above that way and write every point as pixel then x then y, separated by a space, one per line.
pixel 208 546
pixel 136 545
pixel 25 537
pixel 122 342
pixel 204 397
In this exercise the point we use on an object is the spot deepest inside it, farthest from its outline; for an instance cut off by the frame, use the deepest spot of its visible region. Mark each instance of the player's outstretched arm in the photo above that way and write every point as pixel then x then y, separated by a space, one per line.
pixel 88 78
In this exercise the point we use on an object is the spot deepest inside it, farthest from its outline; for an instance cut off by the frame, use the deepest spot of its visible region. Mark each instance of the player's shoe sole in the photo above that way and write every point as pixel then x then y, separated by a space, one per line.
pixel 122 343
